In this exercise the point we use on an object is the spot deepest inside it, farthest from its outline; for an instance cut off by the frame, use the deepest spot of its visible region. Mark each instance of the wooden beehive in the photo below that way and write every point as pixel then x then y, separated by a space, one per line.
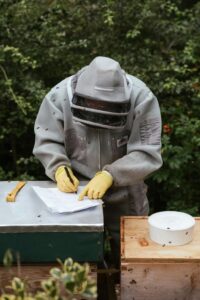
pixel 150 271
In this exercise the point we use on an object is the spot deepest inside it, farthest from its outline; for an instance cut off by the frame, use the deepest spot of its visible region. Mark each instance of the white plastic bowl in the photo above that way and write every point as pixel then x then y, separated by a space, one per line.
pixel 171 228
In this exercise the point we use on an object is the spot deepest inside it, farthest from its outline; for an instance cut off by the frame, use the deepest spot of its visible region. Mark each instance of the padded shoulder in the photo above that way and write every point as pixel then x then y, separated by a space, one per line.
pixel 136 81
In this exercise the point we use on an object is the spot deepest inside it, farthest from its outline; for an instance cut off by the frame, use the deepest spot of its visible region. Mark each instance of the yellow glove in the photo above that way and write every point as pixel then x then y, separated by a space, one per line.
pixel 97 186
pixel 66 181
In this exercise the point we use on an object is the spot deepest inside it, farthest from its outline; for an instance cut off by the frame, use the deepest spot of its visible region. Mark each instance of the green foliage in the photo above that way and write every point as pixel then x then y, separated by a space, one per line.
pixel 42 42
pixel 8 259
pixel 69 282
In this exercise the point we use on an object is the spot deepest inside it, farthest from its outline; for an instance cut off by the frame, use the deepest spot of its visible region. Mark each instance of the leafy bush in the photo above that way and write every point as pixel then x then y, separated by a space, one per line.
pixel 70 281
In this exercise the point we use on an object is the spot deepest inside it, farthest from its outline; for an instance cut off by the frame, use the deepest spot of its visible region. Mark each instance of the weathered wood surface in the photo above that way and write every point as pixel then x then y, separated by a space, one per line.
pixel 32 274
pixel 150 271
pixel 136 244
pixel 165 281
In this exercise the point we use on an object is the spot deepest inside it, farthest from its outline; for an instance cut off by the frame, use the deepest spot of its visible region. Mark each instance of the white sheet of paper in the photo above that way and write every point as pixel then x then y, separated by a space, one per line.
pixel 60 202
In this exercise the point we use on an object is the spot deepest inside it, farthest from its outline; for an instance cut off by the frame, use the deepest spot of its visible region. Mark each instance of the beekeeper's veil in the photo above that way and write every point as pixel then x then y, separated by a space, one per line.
pixel 102 95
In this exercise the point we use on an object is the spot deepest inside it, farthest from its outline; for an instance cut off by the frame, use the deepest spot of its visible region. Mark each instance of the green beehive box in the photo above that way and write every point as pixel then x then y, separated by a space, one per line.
pixel 27 227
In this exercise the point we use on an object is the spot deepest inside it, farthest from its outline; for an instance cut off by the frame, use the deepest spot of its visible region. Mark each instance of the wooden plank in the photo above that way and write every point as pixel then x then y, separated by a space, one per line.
pixel 32 274
pixel 136 244
pixel 166 281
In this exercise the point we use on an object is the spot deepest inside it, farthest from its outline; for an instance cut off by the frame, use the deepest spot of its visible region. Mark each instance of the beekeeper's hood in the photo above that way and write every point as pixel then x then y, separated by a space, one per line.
pixel 102 94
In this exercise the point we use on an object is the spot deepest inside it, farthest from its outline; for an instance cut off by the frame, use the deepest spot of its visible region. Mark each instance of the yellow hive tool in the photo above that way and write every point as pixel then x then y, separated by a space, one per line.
pixel 12 195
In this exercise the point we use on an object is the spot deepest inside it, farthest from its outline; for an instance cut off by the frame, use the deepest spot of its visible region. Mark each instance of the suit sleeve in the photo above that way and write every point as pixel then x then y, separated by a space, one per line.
pixel 49 135
pixel 144 145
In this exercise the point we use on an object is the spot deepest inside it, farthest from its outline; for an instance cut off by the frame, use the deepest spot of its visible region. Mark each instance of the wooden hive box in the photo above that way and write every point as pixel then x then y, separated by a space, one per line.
pixel 38 237
pixel 27 227
pixel 150 271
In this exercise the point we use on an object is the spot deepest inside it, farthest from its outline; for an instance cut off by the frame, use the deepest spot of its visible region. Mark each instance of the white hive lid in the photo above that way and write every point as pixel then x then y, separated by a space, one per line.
pixel 171 220
pixel 171 228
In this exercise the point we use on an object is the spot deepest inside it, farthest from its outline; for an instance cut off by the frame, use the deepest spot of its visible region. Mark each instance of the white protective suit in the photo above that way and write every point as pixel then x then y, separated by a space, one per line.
pixel 129 153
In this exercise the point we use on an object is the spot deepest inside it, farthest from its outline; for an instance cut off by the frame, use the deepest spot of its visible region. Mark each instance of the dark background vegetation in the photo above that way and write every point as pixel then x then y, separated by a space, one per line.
pixel 42 42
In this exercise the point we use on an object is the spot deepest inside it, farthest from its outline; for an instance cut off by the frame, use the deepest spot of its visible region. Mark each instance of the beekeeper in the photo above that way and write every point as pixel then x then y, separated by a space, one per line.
pixel 104 125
